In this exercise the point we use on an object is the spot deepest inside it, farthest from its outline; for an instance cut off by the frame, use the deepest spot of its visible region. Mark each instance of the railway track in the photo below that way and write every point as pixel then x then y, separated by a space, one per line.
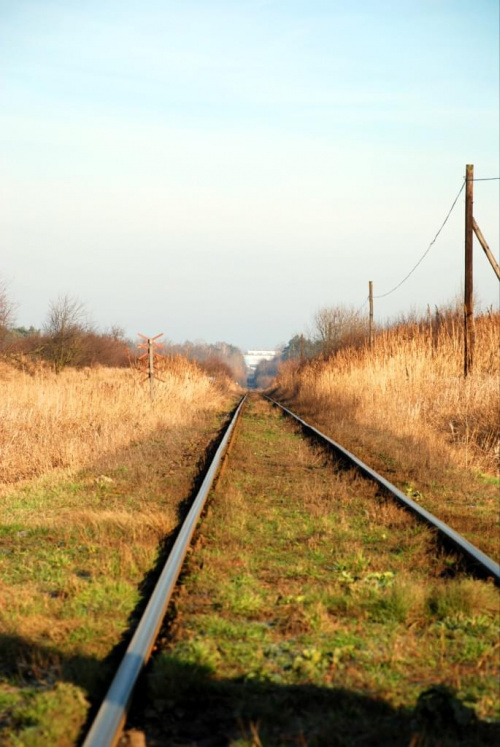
pixel 110 720
pixel 483 563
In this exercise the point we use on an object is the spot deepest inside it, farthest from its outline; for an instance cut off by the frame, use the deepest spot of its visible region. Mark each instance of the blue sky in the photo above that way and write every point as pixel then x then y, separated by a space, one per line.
pixel 221 170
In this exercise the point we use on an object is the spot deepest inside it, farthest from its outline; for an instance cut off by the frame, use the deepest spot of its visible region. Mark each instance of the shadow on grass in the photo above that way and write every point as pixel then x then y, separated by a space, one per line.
pixel 35 666
pixel 186 705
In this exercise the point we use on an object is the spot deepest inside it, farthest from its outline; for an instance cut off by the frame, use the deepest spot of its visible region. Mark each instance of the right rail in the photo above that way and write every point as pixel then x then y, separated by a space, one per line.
pixel 473 553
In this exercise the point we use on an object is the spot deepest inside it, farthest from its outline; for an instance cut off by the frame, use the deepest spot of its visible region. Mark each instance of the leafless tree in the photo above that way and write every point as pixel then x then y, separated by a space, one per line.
pixel 338 327
pixel 65 332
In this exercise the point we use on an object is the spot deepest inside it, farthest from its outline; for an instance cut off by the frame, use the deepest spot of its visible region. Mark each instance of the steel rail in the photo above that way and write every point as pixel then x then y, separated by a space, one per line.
pixel 460 543
pixel 108 724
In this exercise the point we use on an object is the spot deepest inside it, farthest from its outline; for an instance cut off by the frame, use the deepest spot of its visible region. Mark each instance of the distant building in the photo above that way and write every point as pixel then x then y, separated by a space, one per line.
pixel 254 357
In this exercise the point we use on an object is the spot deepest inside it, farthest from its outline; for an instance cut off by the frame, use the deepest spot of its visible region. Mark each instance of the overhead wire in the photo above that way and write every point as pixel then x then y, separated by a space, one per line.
pixel 383 295
pixel 363 304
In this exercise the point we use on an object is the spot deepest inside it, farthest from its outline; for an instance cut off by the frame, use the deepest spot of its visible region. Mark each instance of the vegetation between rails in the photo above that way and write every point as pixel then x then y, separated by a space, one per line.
pixel 406 409
pixel 315 613
pixel 78 545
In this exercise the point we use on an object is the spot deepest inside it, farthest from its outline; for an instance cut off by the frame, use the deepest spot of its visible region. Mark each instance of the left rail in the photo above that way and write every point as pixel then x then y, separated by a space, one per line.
pixel 108 724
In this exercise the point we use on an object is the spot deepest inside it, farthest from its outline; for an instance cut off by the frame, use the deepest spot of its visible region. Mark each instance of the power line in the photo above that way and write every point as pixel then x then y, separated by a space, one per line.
pixel 487 179
pixel 363 304
pixel 428 248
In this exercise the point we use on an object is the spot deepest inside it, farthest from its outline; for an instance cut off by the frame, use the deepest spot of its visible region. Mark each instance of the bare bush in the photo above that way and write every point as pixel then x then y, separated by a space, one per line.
pixel 109 348
pixel 339 327
pixel 216 368
pixel 65 332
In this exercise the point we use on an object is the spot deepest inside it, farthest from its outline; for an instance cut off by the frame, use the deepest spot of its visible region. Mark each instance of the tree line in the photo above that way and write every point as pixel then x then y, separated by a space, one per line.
pixel 336 328
pixel 68 337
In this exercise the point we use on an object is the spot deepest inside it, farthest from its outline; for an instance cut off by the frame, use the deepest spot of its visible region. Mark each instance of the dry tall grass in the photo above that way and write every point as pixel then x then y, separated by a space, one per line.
pixel 66 421
pixel 411 384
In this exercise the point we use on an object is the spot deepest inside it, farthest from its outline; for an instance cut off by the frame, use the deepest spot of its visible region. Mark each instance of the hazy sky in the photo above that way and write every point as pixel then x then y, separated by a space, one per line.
pixel 220 170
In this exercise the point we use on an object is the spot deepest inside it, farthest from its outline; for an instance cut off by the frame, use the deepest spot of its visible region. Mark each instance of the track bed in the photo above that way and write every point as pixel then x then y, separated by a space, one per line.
pixel 315 612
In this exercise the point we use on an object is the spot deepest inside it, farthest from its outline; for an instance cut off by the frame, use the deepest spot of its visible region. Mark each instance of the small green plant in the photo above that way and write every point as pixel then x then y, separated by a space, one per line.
pixel 456 598
pixel 394 603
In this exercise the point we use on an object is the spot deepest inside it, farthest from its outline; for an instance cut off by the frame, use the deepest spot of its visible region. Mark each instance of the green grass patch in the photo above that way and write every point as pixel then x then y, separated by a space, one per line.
pixel 51 716
pixel 74 556
pixel 315 600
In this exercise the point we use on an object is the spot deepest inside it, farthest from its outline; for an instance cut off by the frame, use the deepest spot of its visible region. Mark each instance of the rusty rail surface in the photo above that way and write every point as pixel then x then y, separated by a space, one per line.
pixel 464 547
pixel 108 724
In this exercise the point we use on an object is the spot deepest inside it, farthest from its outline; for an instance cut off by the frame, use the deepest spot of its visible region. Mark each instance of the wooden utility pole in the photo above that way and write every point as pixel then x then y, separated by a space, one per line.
pixel 370 297
pixel 150 355
pixel 469 337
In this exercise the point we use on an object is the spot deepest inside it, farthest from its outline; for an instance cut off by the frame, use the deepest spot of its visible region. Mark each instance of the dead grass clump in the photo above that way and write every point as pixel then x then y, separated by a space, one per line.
pixel 70 420
pixel 144 526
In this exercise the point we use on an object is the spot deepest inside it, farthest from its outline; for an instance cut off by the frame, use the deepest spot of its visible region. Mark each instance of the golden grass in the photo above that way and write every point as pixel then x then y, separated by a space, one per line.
pixel 68 421
pixel 96 479
pixel 411 384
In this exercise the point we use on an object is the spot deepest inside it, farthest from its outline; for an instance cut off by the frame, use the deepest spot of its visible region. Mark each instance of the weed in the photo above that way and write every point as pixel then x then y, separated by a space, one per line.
pixel 459 598
pixel 396 602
